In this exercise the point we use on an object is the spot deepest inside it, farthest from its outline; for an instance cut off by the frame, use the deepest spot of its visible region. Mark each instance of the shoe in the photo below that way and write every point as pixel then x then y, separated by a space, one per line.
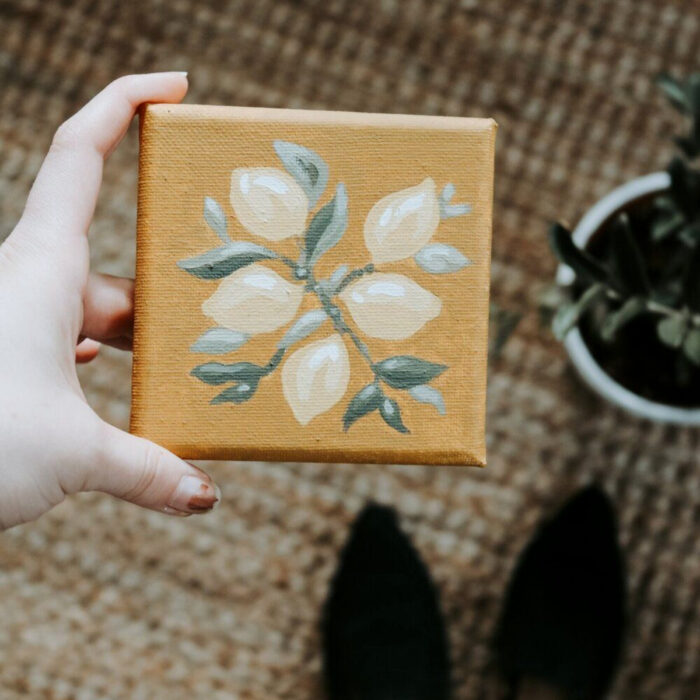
pixel 383 635
pixel 561 627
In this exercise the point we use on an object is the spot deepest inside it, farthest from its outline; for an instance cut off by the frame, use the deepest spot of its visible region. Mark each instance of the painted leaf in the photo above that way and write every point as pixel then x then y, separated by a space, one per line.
pixel 330 285
pixel 218 341
pixel 239 393
pixel 691 345
pixel 216 219
pixel 672 329
pixel 365 401
pixel 448 210
pixel 306 167
pixel 391 413
pixel 254 300
pixel 221 262
pixel 303 327
pixel 327 226
pixel 218 373
pixel 438 259
pixel 390 306
pixel 428 394
pixel 401 223
pixel 406 371
pixel 268 202
pixel 316 377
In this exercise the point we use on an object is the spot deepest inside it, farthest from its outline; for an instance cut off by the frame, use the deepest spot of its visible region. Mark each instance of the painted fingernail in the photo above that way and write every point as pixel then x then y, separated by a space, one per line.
pixel 194 495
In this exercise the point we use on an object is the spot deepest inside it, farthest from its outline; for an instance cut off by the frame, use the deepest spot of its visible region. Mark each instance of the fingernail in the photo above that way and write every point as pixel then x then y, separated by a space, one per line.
pixel 194 495
pixel 182 72
pixel 172 511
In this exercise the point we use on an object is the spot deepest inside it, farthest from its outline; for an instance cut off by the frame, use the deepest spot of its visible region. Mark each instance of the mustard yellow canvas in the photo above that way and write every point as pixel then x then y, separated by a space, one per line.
pixel 313 286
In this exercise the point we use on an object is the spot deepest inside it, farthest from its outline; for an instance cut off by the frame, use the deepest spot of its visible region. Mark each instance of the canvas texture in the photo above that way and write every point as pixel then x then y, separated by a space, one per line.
pixel 313 285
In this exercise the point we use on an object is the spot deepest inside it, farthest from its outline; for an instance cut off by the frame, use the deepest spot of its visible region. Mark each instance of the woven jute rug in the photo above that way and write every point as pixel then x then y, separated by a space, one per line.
pixel 99 599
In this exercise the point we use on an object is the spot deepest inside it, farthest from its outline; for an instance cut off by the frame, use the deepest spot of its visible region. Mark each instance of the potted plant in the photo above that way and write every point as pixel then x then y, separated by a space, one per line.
pixel 629 314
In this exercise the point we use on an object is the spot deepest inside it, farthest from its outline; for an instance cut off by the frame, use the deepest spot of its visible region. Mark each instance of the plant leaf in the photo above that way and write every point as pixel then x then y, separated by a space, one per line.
pixel 216 219
pixel 577 259
pixel 391 413
pixel 424 393
pixel 365 401
pixel 327 226
pixel 438 259
pixel 238 393
pixel 218 373
pixel 666 225
pixel 306 167
pixel 691 346
pixel 691 281
pixel 615 320
pixel 672 329
pixel 568 315
pixel 675 91
pixel 406 371
pixel 220 262
pixel 303 327
pixel 218 341
pixel 627 258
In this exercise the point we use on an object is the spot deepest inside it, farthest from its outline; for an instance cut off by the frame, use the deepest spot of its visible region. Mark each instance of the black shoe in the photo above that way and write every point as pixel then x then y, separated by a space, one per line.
pixel 383 637
pixel 561 628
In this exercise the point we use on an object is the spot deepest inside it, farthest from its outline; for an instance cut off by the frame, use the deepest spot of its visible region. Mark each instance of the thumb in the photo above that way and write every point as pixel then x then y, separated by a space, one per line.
pixel 143 473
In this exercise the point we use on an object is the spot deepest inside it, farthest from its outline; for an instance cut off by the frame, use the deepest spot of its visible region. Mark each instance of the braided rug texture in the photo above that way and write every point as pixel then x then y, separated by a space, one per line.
pixel 100 599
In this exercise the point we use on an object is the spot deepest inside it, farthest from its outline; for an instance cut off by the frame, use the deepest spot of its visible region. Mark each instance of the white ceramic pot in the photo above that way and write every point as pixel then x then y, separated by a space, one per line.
pixel 584 362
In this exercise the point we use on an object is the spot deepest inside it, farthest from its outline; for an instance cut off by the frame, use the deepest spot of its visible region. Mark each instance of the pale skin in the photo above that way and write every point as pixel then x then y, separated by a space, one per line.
pixel 55 312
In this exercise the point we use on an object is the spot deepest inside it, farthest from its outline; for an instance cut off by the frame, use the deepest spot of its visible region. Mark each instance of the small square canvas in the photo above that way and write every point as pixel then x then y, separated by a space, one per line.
pixel 313 286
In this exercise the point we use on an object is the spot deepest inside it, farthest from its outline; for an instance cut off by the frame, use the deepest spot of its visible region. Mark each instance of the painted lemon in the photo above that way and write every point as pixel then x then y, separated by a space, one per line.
pixel 268 202
pixel 254 299
pixel 390 306
pixel 316 377
pixel 401 223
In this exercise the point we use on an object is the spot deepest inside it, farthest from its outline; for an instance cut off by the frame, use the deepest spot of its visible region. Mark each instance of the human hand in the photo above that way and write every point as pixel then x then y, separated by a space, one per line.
pixel 54 312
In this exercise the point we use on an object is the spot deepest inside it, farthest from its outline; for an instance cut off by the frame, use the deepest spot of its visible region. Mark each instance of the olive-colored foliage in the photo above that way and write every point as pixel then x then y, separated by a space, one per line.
pixel 654 272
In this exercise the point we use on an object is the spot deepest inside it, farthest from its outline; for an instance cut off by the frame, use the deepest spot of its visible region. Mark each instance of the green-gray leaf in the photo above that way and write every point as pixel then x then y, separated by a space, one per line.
pixel 691 346
pixel 216 219
pixel 218 341
pixel 424 393
pixel 238 393
pixel 391 413
pixel 218 373
pixel 306 167
pixel 447 210
pixel 615 320
pixel 627 258
pixel 675 92
pixel 438 259
pixel 220 262
pixel 327 226
pixel 406 371
pixel 365 401
pixel 672 329
pixel 583 264
pixel 303 327
pixel 568 315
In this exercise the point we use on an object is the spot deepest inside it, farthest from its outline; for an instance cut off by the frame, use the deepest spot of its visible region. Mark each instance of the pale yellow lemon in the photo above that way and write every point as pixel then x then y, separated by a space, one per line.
pixel 269 202
pixel 390 306
pixel 401 223
pixel 316 377
pixel 254 299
